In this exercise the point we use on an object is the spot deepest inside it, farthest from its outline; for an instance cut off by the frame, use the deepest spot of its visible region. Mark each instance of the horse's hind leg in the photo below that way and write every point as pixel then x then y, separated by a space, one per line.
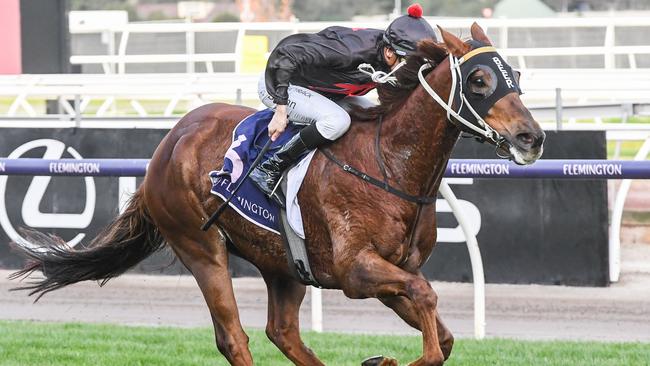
pixel 283 329
pixel 405 309
pixel 205 255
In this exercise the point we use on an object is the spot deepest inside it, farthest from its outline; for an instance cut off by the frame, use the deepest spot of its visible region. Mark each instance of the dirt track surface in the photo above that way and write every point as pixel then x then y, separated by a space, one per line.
pixel 618 313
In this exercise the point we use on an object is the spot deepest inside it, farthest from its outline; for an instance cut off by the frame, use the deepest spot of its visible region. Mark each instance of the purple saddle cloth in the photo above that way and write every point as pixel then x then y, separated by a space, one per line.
pixel 247 140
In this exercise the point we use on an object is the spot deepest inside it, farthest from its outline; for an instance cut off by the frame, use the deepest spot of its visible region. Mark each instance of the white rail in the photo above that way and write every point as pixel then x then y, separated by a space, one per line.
pixel 608 48
pixel 27 93
pixel 478 275
pixel 453 23
pixel 617 218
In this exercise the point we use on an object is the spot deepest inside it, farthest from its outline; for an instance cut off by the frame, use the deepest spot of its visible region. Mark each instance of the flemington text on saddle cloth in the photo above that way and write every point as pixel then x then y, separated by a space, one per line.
pixel 247 140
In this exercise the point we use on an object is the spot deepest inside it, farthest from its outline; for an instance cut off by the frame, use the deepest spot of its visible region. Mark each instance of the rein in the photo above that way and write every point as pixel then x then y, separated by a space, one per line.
pixel 383 184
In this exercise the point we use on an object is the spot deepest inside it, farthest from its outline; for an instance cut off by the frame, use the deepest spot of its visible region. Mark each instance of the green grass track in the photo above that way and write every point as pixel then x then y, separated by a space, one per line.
pixel 29 344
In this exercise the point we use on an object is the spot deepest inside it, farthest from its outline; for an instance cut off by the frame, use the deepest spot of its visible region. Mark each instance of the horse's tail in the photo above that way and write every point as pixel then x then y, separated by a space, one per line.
pixel 125 242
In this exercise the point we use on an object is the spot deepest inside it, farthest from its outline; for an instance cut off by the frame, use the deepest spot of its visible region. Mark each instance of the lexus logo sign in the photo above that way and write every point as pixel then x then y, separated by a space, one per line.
pixel 31 212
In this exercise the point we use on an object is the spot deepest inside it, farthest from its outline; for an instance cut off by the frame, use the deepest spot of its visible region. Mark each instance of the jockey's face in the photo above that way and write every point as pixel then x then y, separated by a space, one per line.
pixel 391 58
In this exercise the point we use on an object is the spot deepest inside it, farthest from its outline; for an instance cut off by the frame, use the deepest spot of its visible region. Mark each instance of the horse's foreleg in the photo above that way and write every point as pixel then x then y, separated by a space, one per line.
pixel 205 255
pixel 369 275
pixel 405 309
pixel 285 297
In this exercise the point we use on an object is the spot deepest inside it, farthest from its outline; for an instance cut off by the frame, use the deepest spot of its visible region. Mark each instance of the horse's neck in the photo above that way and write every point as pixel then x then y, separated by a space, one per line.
pixel 417 140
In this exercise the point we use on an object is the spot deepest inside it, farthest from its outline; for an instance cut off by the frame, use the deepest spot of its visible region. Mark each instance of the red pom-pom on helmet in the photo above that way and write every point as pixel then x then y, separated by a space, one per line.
pixel 415 10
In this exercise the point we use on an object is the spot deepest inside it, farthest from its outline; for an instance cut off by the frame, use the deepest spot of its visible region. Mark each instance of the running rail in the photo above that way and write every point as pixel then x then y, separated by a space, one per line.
pixel 456 168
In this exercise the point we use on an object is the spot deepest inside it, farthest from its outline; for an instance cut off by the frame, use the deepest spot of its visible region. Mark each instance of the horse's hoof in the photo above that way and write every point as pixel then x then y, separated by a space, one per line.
pixel 379 361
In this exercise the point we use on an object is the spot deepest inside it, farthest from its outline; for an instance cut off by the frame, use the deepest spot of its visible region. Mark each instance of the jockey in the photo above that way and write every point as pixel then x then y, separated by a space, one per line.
pixel 311 78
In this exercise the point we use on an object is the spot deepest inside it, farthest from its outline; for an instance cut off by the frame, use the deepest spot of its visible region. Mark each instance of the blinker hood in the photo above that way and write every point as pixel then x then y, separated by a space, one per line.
pixel 505 81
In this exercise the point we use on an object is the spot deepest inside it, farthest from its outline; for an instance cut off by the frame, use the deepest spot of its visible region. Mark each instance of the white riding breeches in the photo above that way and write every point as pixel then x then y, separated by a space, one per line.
pixel 306 106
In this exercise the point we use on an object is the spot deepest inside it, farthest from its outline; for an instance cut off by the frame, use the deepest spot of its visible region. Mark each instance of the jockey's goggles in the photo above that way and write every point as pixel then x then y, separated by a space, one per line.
pixel 402 48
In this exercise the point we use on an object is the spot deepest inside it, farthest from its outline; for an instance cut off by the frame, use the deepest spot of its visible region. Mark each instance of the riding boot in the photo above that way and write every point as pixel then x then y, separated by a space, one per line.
pixel 267 175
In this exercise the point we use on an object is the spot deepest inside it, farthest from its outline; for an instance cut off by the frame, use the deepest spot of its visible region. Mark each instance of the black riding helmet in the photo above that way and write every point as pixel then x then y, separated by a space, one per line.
pixel 405 32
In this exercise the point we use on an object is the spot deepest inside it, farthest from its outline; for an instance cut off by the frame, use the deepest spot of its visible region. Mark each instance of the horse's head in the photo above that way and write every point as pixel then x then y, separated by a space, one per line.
pixel 487 99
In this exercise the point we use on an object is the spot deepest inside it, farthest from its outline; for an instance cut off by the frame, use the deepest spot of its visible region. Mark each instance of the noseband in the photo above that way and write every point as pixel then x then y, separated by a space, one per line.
pixel 469 116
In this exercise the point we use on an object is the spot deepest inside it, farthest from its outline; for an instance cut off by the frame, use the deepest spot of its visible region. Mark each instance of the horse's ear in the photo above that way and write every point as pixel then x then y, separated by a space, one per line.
pixel 479 35
pixel 454 44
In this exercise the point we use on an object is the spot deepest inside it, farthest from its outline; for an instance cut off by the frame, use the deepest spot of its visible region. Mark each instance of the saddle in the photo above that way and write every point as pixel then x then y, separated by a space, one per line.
pixel 249 136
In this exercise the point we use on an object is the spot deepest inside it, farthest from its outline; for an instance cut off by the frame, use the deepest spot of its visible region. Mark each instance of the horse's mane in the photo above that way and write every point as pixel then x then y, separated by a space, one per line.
pixel 392 96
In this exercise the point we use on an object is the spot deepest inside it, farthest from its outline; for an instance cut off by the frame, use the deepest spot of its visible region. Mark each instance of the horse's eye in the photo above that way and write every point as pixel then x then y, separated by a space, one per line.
pixel 482 82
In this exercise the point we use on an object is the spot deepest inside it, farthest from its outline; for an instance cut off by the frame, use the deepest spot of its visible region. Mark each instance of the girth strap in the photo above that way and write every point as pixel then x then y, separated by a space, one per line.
pixel 376 182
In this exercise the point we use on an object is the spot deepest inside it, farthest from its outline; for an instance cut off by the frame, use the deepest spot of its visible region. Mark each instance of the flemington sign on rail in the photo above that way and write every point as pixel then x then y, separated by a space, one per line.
pixel 549 169
pixel 597 169
pixel 74 167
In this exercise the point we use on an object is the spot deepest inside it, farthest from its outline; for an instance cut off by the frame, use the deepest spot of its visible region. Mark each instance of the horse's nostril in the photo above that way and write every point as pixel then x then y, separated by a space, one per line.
pixel 539 140
pixel 526 138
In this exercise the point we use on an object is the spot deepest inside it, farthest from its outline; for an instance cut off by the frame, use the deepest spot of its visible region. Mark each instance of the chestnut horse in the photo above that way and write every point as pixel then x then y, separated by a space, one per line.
pixel 360 238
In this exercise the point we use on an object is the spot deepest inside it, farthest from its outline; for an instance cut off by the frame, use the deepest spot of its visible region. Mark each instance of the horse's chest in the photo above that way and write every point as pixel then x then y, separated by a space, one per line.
pixel 393 241
pixel 407 240
pixel 395 253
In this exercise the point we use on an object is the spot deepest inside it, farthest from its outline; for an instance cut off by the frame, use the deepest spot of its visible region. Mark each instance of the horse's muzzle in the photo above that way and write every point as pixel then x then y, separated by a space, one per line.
pixel 527 146
pixel 530 140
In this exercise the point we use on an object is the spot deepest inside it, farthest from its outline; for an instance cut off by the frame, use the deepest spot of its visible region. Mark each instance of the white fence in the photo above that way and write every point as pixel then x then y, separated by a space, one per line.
pixel 614 42
pixel 26 93
pixel 146 95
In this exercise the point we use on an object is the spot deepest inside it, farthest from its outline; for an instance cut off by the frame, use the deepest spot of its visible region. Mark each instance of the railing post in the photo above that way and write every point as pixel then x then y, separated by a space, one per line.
pixel 558 109
pixel 478 275
pixel 316 309
pixel 189 47
pixel 126 188
pixel 239 48
pixel 503 37
pixel 121 52
pixel 610 40
pixel 627 111
pixel 238 97
pixel 397 9
pixel 108 36
pixel 631 58
pixel 617 219
pixel 77 110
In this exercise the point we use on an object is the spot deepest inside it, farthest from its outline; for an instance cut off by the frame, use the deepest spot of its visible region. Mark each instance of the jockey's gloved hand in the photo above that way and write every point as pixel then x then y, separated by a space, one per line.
pixel 278 122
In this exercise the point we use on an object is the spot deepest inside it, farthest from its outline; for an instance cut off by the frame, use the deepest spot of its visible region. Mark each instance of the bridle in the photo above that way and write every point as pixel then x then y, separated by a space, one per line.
pixel 476 127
